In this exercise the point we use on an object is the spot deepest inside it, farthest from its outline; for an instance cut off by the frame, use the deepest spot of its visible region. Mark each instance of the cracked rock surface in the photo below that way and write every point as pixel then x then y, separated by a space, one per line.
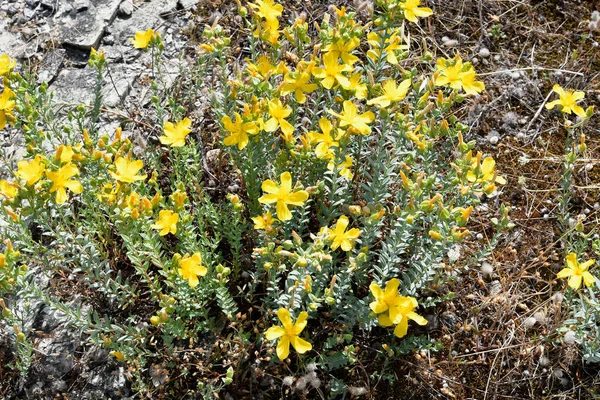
pixel 54 38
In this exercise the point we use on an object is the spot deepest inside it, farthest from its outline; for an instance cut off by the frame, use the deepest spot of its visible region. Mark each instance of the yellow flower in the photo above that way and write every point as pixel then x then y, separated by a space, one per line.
pixel 577 272
pixel 343 168
pixel 6 106
pixel 342 49
pixel 127 170
pixel 192 268
pixel 31 171
pixel 386 300
pixel 341 237
pixel 179 198
pixel 64 154
pixel 484 171
pixel 278 114
pixel 412 10
pixel 267 9
pixel 264 222
pixel 298 82
pixel 262 68
pixel 238 131
pixel 357 86
pixel 458 75
pixel 325 142
pixel 391 93
pixel 283 196
pixel 175 134
pixel 470 85
pixel 393 308
pixel 167 222
pixel 289 334
pixel 8 189
pixel 6 64
pixel 567 101
pixel 143 39
pixel 61 182
pixel 331 72
pixel 353 120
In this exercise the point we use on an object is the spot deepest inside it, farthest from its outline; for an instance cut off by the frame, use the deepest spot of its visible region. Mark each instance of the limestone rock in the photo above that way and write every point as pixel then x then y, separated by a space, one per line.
pixel 82 23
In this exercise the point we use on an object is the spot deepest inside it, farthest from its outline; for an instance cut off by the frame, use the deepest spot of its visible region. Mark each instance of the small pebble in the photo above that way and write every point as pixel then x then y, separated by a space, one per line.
pixel 570 337
pixel 484 52
pixel 529 322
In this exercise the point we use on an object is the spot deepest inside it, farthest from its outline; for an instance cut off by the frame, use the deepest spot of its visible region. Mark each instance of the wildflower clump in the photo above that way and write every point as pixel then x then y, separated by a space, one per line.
pixel 328 160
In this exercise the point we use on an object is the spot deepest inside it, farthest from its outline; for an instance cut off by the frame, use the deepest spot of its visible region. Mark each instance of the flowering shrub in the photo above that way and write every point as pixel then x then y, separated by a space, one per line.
pixel 355 179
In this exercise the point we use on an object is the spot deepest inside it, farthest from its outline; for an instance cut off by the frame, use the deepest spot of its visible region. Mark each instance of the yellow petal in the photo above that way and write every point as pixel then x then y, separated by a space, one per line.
pixel 384 320
pixel 269 186
pixel 417 318
pixel 402 328
pixel 274 332
pixel 575 281
pixel 588 279
pixel 283 212
pixel 564 273
pixel 283 348
pixel 572 262
pixel 301 345
pixel 300 323
pixel 284 317
pixel 297 198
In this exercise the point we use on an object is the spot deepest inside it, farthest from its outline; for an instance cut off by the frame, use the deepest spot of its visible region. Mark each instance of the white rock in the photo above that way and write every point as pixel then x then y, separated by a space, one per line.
pixel 484 52
pixel 570 337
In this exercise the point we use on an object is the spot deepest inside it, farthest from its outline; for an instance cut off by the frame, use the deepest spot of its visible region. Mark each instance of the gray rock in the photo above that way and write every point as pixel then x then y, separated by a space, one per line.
pixel 187 4
pixel 11 10
pixel 169 7
pixel 86 28
pixel 143 18
pixel 50 65
pixel 121 79
pixel 74 85
pixel 484 52
pixel 126 9
pixel 81 5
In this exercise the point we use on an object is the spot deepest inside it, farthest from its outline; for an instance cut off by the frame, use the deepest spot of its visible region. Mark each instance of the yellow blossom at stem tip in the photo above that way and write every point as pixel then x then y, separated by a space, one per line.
pixel 283 196
pixel 31 171
pixel 393 308
pixel 412 10
pixel 567 101
pixel 288 334
pixel 142 39
pixel 166 223
pixel 577 272
pixel 342 238
pixel 358 123
pixel 6 64
pixel 191 268
pixel 175 134
pixel 61 182
pixel 126 170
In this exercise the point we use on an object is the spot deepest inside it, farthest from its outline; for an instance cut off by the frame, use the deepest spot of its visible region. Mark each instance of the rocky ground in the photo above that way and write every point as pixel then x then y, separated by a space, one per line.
pixel 53 38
